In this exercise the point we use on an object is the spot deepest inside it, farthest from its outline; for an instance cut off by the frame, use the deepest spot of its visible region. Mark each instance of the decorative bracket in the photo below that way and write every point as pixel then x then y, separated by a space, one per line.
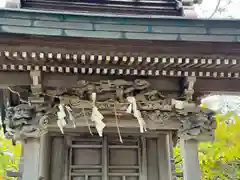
pixel 36 82
pixel 189 88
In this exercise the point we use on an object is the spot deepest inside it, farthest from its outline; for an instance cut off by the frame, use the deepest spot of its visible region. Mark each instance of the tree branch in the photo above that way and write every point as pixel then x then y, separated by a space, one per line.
pixel 216 9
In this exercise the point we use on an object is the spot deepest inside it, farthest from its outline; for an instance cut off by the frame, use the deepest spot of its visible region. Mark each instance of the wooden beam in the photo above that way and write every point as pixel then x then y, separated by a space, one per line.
pixel 70 80
pixel 14 79
pixel 217 85
pixel 123 123
pixel 110 130
pixel 164 84
pixel 217 49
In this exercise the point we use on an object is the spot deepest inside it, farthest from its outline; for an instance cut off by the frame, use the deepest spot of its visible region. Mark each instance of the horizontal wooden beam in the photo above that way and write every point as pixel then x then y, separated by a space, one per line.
pixel 54 131
pixel 69 81
pixel 132 123
pixel 109 46
pixel 217 85
pixel 14 79
pixel 161 84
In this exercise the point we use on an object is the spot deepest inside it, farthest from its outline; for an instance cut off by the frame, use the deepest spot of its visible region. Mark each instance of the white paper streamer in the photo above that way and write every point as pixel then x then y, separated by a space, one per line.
pixel 97 117
pixel 136 113
pixel 69 111
pixel 61 122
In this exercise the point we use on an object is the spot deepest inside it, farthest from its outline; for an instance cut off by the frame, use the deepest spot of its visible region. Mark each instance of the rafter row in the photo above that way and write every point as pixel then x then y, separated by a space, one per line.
pixel 98 59
pixel 119 71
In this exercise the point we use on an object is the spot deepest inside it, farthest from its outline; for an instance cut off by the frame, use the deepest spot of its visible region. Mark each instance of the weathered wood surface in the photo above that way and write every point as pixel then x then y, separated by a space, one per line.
pixel 217 52
pixel 111 123
pixel 162 84
pixel 110 46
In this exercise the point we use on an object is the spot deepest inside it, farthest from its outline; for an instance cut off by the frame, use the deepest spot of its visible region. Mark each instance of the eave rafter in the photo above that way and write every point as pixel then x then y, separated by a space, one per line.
pixel 85 63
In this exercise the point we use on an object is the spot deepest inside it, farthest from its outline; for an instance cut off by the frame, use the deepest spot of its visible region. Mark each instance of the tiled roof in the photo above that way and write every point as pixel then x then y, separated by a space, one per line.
pixel 118 27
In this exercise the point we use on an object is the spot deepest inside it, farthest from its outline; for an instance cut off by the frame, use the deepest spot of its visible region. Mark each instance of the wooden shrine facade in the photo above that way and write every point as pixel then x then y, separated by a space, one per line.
pixel 127 88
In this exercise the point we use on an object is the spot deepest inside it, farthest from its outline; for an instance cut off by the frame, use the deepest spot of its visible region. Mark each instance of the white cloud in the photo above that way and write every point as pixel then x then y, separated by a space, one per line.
pixel 2 3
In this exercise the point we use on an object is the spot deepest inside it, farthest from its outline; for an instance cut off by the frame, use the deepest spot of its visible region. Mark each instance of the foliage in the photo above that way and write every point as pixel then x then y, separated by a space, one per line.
pixel 9 156
pixel 220 159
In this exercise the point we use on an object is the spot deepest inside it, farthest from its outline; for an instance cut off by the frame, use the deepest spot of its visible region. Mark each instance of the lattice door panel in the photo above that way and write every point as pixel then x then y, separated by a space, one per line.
pixel 137 158
pixel 124 160
pixel 86 161
pixel 105 159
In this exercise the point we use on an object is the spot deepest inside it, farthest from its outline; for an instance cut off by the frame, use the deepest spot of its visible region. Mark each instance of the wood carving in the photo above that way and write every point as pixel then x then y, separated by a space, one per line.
pixel 135 99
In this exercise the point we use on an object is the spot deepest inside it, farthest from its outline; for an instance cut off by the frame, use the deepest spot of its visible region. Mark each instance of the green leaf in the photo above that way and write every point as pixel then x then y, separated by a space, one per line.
pixel 9 156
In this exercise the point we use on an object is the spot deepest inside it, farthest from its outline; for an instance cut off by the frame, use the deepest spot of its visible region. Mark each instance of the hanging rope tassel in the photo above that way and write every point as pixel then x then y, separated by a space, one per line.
pixel 117 124
pixel 86 119
pixel 136 113
pixel 97 117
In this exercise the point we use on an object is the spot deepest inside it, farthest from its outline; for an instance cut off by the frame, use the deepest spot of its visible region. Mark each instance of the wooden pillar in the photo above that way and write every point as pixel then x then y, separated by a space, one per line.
pixel 164 157
pixel 35 160
pixel 21 164
pixel 191 167
pixel 44 163
pixel 57 158
pixel 31 159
